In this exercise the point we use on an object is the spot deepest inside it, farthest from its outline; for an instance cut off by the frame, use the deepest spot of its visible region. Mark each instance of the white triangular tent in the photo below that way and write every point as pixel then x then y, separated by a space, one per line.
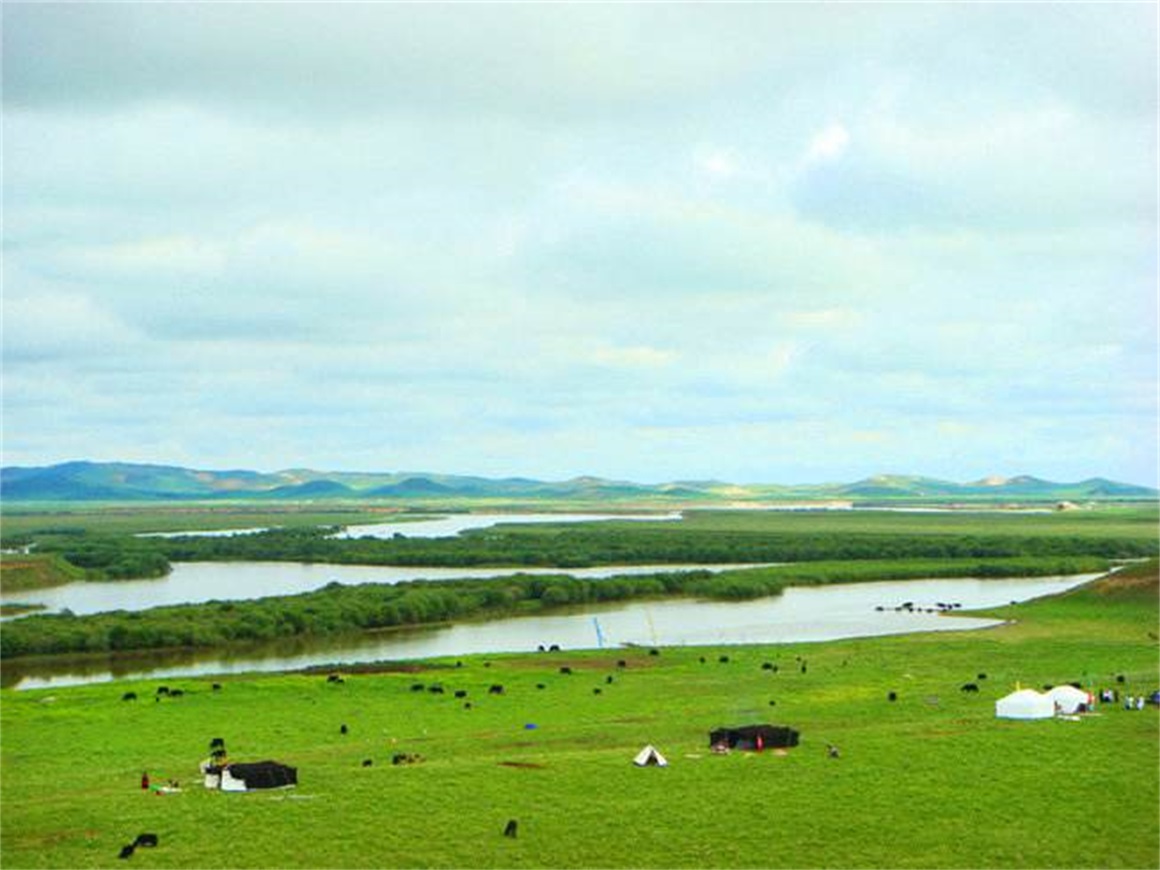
pixel 1068 698
pixel 649 755
pixel 1025 704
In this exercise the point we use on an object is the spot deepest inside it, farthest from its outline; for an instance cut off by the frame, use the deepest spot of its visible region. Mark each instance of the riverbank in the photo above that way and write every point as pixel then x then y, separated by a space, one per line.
pixel 907 776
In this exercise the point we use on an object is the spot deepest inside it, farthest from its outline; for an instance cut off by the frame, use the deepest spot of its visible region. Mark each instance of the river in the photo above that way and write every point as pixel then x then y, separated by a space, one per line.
pixel 800 614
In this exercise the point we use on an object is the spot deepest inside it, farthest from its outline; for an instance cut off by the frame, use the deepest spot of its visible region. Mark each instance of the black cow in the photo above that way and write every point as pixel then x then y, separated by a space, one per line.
pixel 773 703
pixel 217 687
pixel 723 659
pixel 127 851
pixel 176 693
pixel 129 696
pixel 495 689
pixel 368 762
pixel 417 687
pixel 970 687
pixel 147 840
pixel 540 648
pixel 554 648
pixel 608 679
pixel 767 666
pixel 461 694
pixel 597 691
pixel 342 729
pixel 334 678
pixel 511 828
pixel 893 696
pixel 565 670
pixel 1119 678
pixel 541 686
pixel 654 652
pixel 981 677
pixel 163 690
pixel 435 690
pixel 621 663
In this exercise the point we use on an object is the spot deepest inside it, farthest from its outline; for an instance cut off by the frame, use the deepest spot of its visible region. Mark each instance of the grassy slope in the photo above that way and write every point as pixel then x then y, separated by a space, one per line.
pixel 20 572
pixel 933 780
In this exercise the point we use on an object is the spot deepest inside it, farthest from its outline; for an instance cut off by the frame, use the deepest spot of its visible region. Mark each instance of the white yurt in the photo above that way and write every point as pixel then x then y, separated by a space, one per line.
pixel 1025 704
pixel 1068 698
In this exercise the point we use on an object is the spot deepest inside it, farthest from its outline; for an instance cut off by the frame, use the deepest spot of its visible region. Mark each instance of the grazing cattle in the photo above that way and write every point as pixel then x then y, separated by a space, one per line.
pixel 879 608
pixel 554 648
pixel 608 679
pixel 702 660
pixel 129 696
pixel 540 648
pixel 342 729
pixel 217 687
pixel 970 687
pixel 147 840
pixel 368 762
pixel 435 689
pixel 981 676
pixel 334 678
pixel 1119 678
pixel 163 690
pixel 467 706
pixel 461 694
pixel 459 664
pixel 767 666
pixel 565 670
pixel 495 689
pixel 417 687
pixel 597 691
pixel 893 696
pixel 126 851
pixel 803 667
pixel 772 703
pixel 176 693
pixel 723 659
pixel 654 652
pixel 621 663
pixel 511 828
pixel 540 686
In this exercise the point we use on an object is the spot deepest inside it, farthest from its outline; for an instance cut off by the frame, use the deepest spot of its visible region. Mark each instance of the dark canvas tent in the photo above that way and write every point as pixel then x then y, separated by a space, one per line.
pixel 259 774
pixel 754 737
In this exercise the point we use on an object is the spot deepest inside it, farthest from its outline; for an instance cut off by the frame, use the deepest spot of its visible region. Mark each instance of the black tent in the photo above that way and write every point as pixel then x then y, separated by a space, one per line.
pixel 259 774
pixel 754 737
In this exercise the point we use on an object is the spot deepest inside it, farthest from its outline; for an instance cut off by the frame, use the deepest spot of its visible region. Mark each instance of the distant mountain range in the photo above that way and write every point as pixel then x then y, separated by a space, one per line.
pixel 120 481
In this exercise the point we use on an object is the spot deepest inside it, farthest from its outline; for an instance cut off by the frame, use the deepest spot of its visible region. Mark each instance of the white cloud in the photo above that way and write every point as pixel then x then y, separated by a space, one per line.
pixel 830 143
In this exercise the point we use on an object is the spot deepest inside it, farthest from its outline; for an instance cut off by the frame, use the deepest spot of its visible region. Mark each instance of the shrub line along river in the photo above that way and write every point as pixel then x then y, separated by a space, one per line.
pixel 799 614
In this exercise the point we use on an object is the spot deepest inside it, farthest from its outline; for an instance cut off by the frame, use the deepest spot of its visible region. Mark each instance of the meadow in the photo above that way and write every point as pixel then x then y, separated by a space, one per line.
pixel 930 780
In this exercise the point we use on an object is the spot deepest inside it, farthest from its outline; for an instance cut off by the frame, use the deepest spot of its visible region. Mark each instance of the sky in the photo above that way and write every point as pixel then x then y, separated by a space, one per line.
pixel 755 242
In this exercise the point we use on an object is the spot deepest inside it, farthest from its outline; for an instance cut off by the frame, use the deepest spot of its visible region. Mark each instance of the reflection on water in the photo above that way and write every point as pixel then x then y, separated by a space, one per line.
pixel 800 614
pixel 450 526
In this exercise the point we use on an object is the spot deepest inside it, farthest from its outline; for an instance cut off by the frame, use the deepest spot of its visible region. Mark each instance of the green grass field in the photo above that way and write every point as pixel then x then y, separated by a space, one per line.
pixel 933 780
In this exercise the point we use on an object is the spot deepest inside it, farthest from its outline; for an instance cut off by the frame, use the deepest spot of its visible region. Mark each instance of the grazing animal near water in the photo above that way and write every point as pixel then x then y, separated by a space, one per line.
pixel 597 691
pixel 495 689
pixel 621 663
pixel 767 666
pixel 654 652
pixel 723 659
pixel 970 687
pixel 460 693
pixel 417 687
pixel 981 677
pixel 541 686
pixel 608 679
pixel 176 693
pixel 162 690
pixel 565 670
pixel 435 690
pixel 129 696
pixel 334 678
pixel 217 687
pixel 127 850
pixel 893 696
pixel 368 762
pixel 511 828
pixel 147 840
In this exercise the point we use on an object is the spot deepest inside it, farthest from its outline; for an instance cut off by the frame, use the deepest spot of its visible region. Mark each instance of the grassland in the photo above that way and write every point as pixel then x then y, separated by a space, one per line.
pixel 932 780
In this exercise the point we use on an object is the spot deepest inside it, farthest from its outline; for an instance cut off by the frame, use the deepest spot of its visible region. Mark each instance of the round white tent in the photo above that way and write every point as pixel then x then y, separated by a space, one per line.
pixel 1068 698
pixel 1025 704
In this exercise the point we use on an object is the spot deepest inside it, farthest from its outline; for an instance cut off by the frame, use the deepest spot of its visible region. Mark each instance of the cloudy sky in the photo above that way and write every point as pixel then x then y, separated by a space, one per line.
pixel 756 242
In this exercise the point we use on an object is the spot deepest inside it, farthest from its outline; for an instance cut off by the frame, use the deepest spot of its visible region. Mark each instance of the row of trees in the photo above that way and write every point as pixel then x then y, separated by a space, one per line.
pixel 336 608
